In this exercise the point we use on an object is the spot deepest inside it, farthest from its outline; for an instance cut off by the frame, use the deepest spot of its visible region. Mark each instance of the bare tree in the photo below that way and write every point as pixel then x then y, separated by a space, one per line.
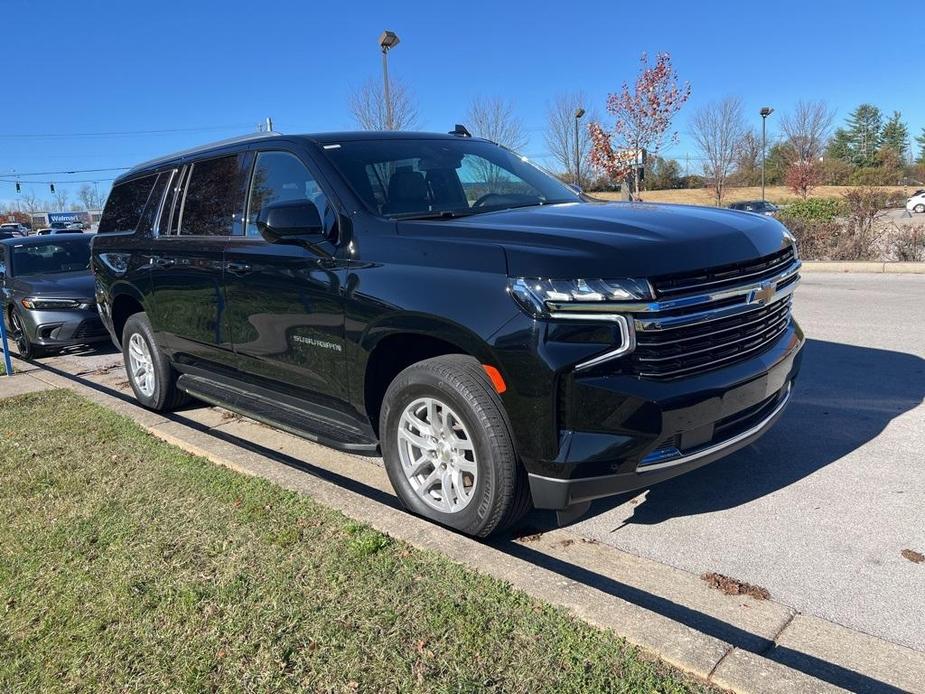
pixel 748 159
pixel 61 198
pixel 718 128
pixel 89 197
pixel 30 203
pixel 367 104
pixel 806 129
pixel 560 131
pixel 493 118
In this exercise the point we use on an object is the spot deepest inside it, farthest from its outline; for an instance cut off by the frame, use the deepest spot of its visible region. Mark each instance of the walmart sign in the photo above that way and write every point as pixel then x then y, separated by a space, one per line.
pixel 66 217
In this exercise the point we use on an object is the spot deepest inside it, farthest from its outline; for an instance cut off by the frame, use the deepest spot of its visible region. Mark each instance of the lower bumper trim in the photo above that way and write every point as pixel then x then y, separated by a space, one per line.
pixel 555 493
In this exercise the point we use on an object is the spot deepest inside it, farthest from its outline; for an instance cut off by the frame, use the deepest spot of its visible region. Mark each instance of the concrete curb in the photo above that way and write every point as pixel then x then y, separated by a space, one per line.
pixel 733 642
pixel 864 266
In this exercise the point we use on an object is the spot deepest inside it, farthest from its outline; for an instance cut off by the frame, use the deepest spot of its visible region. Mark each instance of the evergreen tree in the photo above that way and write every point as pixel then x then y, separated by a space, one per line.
pixel 895 135
pixel 920 139
pixel 864 134
pixel 840 146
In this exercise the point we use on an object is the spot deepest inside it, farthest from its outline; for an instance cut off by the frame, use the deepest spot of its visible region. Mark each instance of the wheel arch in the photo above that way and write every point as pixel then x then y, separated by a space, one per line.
pixel 126 301
pixel 391 349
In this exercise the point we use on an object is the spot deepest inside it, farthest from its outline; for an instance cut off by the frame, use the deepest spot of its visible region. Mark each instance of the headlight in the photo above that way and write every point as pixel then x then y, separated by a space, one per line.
pixel 545 297
pixel 41 303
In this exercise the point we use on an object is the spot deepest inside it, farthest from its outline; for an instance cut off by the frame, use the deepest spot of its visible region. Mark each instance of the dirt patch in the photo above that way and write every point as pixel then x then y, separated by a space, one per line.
pixel 731 586
pixel 913 556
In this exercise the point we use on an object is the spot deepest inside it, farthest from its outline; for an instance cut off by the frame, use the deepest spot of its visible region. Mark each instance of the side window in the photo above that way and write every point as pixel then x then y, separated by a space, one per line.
pixel 125 205
pixel 213 202
pixel 280 177
pixel 149 216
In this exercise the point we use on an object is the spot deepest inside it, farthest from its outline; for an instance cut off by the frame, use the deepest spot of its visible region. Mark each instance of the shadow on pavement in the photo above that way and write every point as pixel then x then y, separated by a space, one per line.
pixel 854 391
pixel 844 397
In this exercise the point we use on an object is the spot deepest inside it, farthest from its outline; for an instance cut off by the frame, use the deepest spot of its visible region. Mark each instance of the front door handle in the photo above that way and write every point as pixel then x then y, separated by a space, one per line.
pixel 159 261
pixel 236 268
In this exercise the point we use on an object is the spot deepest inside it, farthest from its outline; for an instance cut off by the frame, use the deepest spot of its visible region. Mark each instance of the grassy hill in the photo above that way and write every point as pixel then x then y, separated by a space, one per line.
pixel 776 194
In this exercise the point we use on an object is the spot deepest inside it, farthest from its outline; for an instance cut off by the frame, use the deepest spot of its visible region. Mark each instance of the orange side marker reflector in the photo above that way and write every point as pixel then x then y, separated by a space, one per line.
pixel 496 379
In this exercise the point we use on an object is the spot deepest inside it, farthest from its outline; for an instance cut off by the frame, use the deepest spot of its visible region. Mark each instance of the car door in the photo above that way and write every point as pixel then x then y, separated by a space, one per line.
pixel 284 309
pixel 203 212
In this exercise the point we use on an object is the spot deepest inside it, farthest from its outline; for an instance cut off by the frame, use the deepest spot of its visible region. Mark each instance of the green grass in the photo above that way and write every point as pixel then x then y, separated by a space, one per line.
pixel 127 564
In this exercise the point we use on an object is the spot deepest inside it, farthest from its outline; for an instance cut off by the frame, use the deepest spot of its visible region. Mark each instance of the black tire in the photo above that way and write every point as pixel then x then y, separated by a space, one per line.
pixel 501 494
pixel 27 350
pixel 919 208
pixel 165 395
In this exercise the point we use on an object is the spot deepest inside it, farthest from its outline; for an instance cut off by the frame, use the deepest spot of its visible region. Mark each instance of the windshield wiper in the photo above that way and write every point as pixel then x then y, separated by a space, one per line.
pixel 443 214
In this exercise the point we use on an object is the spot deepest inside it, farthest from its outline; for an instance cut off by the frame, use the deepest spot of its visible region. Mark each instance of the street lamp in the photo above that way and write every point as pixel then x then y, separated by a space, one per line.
pixel 579 112
pixel 765 112
pixel 387 41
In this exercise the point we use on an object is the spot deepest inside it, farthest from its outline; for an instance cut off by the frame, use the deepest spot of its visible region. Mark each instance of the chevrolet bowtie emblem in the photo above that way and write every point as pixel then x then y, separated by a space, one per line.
pixel 763 294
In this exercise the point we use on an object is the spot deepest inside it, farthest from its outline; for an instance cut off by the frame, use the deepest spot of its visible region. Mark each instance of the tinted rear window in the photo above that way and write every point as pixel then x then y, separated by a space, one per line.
pixel 214 200
pixel 126 204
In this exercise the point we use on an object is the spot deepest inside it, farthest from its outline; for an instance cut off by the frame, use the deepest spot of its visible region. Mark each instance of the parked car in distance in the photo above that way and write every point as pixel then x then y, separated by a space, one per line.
pixel 15 228
pixel 916 203
pixel 47 294
pixel 500 339
pixel 756 206
pixel 8 234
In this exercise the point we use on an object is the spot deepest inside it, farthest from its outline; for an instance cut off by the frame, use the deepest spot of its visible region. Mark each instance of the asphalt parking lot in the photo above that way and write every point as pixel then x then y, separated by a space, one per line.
pixel 819 510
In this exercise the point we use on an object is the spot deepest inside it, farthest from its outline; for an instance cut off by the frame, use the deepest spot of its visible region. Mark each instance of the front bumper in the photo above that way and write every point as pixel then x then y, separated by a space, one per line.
pixel 63 328
pixel 625 433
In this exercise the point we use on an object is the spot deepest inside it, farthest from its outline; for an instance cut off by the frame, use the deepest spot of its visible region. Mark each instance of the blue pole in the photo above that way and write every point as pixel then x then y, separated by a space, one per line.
pixel 6 347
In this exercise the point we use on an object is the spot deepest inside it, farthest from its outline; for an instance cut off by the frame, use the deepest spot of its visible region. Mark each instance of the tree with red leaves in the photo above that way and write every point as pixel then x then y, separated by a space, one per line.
pixel 803 176
pixel 642 118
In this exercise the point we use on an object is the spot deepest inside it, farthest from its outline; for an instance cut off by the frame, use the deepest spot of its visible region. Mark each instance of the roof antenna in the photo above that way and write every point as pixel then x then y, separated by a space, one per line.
pixel 460 130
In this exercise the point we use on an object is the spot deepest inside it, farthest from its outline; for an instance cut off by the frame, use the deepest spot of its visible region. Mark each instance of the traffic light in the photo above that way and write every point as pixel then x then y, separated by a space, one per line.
pixel 52 186
pixel 18 187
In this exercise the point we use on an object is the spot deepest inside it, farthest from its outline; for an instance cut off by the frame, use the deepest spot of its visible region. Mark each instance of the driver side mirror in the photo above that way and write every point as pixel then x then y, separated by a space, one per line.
pixel 293 219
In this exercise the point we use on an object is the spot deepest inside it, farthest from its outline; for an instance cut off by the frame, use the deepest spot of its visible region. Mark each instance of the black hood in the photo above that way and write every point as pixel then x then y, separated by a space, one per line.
pixel 612 240
pixel 66 285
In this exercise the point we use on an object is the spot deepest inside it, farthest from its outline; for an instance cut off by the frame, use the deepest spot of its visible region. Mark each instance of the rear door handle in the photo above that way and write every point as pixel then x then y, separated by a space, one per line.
pixel 236 268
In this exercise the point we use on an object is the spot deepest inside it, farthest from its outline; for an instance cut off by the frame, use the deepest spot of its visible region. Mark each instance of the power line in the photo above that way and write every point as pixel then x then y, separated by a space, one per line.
pixel 112 133
pixel 67 173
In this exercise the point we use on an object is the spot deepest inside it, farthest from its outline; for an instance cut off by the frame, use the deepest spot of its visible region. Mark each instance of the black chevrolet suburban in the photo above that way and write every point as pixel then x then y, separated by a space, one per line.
pixel 502 339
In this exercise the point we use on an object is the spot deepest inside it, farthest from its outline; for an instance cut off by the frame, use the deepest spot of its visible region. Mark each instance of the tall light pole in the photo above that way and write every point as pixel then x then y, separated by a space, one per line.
pixel 387 42
pixel 579 112
pixel 765 112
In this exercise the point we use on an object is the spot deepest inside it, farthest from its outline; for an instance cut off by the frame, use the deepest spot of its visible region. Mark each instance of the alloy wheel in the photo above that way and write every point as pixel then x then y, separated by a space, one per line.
pixel 141 365
pixel 437 455
pixel 19 334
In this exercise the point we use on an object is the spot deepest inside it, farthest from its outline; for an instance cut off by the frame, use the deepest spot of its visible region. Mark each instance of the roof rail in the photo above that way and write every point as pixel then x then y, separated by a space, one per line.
pixel 202 148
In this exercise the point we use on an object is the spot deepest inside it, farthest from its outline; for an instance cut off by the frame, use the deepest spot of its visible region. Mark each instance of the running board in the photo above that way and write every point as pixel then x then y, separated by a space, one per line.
pixel 294 420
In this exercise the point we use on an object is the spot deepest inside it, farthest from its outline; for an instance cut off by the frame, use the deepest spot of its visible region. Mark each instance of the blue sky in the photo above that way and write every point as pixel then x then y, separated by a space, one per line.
pixel 208 70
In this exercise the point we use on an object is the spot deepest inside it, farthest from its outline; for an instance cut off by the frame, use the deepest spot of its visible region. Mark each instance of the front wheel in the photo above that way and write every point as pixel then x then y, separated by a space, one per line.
pixel 151 376
pixel 27 349
pixel 919 208
pixel 448 449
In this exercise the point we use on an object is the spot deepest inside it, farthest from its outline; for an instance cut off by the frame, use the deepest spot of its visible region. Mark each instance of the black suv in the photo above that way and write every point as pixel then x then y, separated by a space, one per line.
pixel 499 337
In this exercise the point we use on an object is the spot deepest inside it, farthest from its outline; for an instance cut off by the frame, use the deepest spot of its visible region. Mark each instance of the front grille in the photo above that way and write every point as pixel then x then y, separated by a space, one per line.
pixel 715 317
pixel 91 327
pixel 723 276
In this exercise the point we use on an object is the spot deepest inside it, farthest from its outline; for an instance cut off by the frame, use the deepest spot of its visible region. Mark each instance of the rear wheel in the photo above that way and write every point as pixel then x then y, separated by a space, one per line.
pixel 448 449
pixel 27 349
pixel 153 379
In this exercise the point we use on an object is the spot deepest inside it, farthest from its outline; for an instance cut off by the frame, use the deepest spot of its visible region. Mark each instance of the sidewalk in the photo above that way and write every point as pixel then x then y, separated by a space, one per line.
pixel 736 642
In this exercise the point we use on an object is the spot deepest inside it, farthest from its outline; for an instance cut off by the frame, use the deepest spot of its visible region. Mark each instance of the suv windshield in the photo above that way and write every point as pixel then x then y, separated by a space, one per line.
pixel 408 178
pixel 50 258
